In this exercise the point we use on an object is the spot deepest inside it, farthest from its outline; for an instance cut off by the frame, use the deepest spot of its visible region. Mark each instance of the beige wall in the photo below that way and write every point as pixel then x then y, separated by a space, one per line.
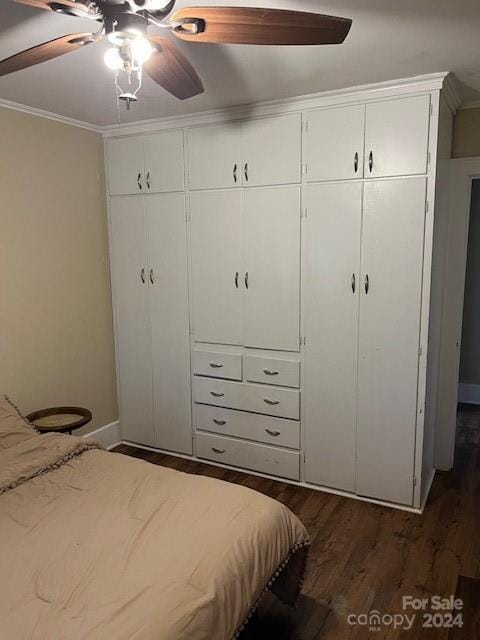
pixel 466 133
pixel 56 338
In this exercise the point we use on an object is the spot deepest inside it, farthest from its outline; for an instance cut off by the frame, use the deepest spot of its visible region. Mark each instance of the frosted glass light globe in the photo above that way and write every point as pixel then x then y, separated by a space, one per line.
pixel 141 50
pixel 112 59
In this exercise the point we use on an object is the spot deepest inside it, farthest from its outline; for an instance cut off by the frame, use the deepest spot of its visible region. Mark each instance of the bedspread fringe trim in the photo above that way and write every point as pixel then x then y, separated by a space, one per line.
pixel 301 545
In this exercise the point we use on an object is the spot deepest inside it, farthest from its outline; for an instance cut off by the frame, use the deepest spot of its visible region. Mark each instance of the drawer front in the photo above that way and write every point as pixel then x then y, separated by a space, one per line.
pixel 284 403
pixel 257 457
pixel 251 426
pixel 285 373
pixel 217 364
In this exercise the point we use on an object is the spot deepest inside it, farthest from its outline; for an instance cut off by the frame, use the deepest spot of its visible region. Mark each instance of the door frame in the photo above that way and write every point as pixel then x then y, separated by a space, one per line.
pixel 462 173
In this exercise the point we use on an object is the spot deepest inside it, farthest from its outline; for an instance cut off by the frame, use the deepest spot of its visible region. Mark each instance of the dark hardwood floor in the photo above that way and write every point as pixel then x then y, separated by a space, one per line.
pixel 365 557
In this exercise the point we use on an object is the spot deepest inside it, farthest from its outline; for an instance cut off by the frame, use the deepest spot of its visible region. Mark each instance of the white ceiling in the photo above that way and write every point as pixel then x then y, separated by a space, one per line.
pixel 389 39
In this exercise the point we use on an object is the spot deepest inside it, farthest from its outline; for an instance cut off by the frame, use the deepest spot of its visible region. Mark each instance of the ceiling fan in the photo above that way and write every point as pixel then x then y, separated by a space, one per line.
pixel 125 24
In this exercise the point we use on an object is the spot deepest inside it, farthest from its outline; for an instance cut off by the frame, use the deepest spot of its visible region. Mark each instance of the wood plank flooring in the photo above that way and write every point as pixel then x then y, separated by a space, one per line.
pixel 365 557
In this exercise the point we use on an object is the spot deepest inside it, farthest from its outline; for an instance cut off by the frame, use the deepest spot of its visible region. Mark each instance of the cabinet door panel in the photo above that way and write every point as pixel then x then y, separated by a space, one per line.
pixel 216 248
pixel 134 358
pixel 271 228
pixel 168 285
pixel 335 143
pixel 396 134
pixel 164 161
pixel 214 156
pixel 332 299
pixel 271 151
pixel 125 166
pixel 392 255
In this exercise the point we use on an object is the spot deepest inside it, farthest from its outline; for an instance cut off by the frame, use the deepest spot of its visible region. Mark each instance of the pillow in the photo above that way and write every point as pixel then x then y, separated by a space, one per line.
pixel 13 427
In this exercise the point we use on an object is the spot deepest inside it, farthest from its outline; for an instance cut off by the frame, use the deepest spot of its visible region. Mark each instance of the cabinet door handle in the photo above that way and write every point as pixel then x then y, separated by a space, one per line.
pixel 219 422
pixel 271 402
pixel 152 276
pixel 139 181
pixel 235 167
pixel 236 279
pixel 272 432
pixel 148 180
pixel 216 450
pixel 353 284
pixel 246 279
pixel 270 372
pixel 367 284
pixel 370 161
pixel 245 171
pixel 216 365
pixel 216 394
pixel 355 161
pixel 142 275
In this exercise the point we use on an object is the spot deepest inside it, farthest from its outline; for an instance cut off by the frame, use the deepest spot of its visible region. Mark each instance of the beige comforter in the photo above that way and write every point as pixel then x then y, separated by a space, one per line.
pixel 96 545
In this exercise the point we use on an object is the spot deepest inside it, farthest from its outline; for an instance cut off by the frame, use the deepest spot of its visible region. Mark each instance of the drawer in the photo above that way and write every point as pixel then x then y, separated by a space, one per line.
pixel 284 403
pixel 285 373
pixel 251 426
pixel 256 457
pixel 217 364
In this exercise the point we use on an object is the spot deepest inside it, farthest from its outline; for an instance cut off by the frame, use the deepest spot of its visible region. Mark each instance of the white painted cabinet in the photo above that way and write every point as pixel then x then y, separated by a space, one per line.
pixel 132 318
pixel 125 165
pixel 396 137
pixel 217 266
pixel 214 156
pixel 168 286
pixel 391 289
pixel 333 229
pixel 335 143
pixel 271 240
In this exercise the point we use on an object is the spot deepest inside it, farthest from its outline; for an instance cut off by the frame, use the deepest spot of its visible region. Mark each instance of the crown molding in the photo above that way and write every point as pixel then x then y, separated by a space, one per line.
pixel 374 91
pixel 471 104
pixel 41 113
pixel 451 93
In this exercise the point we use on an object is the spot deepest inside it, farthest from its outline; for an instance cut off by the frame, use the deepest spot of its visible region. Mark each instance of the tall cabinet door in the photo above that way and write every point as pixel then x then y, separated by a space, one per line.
pixel 271 230
pixel 125 165
pixel 214 156
pixel 216 251
pixel 332 300
pixel 168 284
pixel 390 304
pixel 132 318
pixel 164 166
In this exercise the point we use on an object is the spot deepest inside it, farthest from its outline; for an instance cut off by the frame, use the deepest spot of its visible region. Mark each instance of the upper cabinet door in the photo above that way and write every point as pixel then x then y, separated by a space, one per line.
pixel 272 151
pixel 216 250
pixel 125 166
pixel 132 319
pixel 168 284
pixel 214 156
pixel 164 162
pixel 396 137
pixel 271 228
pixel 335 143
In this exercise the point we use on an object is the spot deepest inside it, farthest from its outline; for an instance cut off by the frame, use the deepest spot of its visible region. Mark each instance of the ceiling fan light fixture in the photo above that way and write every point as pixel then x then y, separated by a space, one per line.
pixel 141 50
pixel 113 59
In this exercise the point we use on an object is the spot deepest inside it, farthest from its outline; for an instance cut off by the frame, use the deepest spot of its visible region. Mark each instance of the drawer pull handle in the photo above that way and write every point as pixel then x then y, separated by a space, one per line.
pixel 216 365
pixel 270 372
pixel 268 401
pixel 272 432
pixel 216 394
pixel 219 422
pixel 215 450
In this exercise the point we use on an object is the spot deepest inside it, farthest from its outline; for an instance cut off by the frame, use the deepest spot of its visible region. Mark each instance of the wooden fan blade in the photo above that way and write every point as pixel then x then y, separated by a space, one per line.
pixel 171 69
pixel 249 25
pixel 69 6
pixel 45 51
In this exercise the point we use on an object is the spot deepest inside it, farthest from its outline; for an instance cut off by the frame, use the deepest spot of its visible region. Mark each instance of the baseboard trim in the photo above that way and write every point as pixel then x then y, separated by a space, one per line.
pixel 108 435
pixel 469 393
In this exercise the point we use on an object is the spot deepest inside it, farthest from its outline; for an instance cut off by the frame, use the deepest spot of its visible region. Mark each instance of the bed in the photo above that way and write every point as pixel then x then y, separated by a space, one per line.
pixel 97 545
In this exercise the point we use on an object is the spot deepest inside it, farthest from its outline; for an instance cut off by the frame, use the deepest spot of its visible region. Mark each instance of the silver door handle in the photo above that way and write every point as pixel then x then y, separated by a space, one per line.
pixel 216 365
pixel 219 422
pixel 272 432
pixel 142 275
pixel 367 283
pixel 216 450
pixel 268 401
pixel 139 181
pixel 246 279
pixel 216 394
pixel 148 180
pixel 354 286
pixel 370 161
pixel 152 276
pixel 235 173
pixel 245 171
pixel 355 161
pixel 236 279
pixel 269 372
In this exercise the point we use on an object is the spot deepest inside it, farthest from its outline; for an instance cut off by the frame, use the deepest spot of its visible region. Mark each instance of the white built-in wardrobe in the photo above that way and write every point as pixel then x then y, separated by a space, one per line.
pixel 275 304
